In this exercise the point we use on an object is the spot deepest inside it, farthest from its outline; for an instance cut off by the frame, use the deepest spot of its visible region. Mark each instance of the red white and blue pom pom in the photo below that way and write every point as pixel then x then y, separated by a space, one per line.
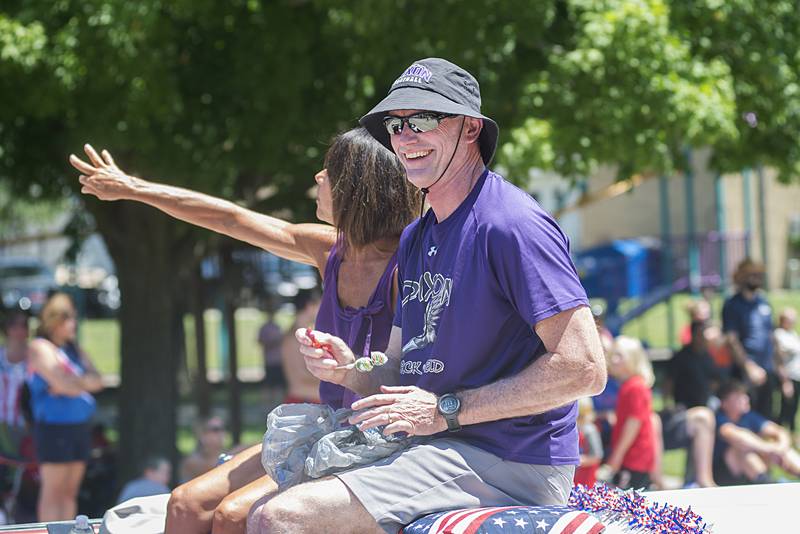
pixel 631 508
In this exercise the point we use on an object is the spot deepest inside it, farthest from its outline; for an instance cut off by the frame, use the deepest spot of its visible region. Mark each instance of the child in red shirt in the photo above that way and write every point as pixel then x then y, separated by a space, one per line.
pixel 632 439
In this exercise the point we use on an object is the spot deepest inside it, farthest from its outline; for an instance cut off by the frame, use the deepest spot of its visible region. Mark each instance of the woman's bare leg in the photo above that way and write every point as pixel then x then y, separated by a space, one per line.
pixel 230 517
pixel 58 494
pixel 192 504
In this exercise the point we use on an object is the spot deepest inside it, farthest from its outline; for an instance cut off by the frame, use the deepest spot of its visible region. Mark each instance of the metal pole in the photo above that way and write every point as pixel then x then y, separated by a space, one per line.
pixel 762 221
pixel 691 230
pixel 666 247
pixel 748 211
pixel 719 200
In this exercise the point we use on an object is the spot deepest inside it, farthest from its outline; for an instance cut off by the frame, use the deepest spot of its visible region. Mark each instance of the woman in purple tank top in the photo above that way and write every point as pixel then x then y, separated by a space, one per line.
pixel 363 193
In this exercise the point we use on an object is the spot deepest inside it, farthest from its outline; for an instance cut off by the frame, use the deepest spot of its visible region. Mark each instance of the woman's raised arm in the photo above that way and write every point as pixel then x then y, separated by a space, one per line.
pixel 305 243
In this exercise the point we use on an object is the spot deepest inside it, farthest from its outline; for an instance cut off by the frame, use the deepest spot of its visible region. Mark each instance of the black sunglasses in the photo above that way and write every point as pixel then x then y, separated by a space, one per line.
pixel 418 122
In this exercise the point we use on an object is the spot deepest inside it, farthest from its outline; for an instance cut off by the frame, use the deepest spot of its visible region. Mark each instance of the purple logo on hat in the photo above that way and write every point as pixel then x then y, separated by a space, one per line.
pixel 416 73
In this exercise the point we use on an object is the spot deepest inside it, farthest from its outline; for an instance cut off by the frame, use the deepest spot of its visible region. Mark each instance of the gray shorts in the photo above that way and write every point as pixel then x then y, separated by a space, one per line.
pixel 447 474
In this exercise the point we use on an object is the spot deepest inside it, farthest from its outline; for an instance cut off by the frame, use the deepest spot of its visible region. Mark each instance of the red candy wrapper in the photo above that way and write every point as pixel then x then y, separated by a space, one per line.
pixel 314 343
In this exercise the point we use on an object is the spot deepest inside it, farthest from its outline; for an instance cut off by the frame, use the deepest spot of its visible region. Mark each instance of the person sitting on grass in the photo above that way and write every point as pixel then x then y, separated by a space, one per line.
pixel 747 443
pixel 689 424
pixel 154 480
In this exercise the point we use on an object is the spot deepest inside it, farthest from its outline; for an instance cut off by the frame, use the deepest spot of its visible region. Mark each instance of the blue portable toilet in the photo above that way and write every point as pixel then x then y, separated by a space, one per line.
pixel 619 269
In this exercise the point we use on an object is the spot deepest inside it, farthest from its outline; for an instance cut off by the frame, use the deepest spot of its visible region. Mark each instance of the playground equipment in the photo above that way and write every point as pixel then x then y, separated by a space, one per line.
pixel 645 271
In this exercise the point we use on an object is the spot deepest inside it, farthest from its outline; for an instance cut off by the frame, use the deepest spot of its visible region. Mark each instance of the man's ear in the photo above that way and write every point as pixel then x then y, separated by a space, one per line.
pixel 472 128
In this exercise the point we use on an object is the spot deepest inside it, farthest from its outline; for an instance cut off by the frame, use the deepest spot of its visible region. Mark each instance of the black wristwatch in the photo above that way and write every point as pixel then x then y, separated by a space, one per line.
pixel 449 406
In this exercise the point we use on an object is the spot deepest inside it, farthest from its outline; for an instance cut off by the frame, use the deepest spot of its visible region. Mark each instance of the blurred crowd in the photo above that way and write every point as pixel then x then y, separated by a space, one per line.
pixel 728 397
pixel 56 461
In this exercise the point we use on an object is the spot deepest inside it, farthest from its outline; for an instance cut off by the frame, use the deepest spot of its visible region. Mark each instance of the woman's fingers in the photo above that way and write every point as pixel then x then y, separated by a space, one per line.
pixel 93 156
pixel 81 165
pixel 107 158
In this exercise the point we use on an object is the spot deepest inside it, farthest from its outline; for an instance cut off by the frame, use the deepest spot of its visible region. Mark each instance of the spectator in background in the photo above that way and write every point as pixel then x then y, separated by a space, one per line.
pixel 717 346
pixel 632 441
pixel 690 424
pixel 210 435
pixel 591 446
pixel 302 386
pixel 787 347
pixel 154 480
pixel 698 310
pixel 61 381
pixel 719 350
pixel 747 443
pixel 692 374
pixel 747 323
pixel 13 369
pixel 270 337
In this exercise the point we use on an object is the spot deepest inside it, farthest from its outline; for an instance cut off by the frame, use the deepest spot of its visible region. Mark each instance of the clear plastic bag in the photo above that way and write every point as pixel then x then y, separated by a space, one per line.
pixel 348 448
pixel 306 441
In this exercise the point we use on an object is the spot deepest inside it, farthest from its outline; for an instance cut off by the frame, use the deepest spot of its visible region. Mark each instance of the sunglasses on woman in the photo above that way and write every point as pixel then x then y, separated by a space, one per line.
pixel 424 121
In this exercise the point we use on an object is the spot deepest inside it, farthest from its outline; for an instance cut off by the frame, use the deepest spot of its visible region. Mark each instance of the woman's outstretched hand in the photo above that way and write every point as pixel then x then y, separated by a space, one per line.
pixel 101 177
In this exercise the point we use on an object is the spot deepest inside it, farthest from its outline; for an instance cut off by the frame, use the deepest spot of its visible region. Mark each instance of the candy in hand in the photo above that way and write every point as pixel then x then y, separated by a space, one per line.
pixel 378 358
pixel 363 365
pixel 314 343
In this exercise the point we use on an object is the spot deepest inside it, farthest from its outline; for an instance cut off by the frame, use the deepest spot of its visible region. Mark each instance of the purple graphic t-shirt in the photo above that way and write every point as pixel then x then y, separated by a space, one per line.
pixel 472 287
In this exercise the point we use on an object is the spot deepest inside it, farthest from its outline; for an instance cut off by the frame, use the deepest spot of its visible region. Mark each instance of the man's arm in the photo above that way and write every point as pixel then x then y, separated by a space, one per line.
pixel 755 373
pixel 306 243
pixel 574 367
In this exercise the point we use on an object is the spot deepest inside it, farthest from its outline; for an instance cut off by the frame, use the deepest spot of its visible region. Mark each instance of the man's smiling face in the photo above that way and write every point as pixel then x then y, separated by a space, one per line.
pixel 425 155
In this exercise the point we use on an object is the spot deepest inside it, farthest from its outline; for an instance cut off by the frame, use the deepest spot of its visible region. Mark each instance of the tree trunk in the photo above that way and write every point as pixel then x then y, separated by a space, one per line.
pixel 229 316
pixel 142 245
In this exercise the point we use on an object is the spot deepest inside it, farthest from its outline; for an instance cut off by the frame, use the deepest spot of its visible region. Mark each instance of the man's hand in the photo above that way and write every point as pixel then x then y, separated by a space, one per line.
pixel 755 373
pixel 327 357
pixel 101 177
pixel 406 409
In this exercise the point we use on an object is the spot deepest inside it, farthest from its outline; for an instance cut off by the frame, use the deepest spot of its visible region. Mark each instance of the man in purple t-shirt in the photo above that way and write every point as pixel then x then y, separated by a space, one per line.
pixel 492 343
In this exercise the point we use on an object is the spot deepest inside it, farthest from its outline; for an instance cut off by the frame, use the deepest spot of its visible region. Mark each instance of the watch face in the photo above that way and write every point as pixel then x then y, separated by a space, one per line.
pixel 449 404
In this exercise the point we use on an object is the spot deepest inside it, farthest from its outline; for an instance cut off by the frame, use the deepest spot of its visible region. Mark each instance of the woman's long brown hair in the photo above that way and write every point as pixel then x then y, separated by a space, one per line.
pixel 372 199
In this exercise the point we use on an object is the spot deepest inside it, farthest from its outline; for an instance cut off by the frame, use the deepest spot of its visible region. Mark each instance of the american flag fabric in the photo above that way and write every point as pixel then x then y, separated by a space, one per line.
pixel 508 520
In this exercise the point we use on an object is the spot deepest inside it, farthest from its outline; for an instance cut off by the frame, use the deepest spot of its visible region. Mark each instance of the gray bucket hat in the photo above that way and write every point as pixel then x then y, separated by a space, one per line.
pixel 434 84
